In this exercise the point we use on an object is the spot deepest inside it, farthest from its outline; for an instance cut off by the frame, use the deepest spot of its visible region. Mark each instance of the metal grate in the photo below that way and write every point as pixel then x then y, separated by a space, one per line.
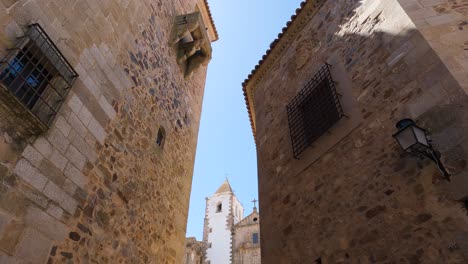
pixel 313 111
pixel 37 74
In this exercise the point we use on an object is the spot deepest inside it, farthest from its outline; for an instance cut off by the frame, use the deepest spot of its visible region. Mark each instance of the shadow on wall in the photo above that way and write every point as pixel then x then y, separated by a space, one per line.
pixel 395 74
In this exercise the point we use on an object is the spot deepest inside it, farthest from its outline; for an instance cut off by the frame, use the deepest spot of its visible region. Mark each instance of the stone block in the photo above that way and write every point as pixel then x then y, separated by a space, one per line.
pixel 46 224
pixel 77 126
pixel 75 157
pixel 75 175
pixel 10 260
pixel 108 109
pixel 55 211
pixel 75 104
pixel 4 221
pixel 58 160
pixel 62 125
pixel 58 140
pixel 34 247
pixel 7 152
pixel 11 237
pixel 85 147
pixel 85 116
pixel 96 129
pixel 51 171
pixel 32 155
pixel 69 187
pixel 61 197
pixel 30 174
pixel 43 146
pixel 91 86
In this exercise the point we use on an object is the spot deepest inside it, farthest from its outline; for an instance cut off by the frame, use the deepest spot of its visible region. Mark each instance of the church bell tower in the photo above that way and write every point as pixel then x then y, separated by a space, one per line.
pixel 223 211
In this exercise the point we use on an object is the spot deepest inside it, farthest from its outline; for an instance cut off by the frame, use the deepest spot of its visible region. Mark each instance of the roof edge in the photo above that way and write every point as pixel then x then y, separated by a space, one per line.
pixel 206 6
pixel 307 9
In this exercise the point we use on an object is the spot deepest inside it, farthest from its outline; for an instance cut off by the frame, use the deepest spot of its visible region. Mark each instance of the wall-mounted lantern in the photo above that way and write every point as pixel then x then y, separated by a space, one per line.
pixel 413 139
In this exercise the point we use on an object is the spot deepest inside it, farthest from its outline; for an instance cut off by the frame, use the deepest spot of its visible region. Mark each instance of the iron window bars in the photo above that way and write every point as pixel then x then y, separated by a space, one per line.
pixel 37 74
pixel 313 111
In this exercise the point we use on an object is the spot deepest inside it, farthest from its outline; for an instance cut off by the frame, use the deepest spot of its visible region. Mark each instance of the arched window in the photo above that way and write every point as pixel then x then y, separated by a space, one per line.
pixel 161 137
pixel 219 207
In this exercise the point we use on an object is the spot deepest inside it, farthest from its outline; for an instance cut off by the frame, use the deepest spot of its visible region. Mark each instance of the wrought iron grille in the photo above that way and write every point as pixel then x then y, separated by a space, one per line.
pixel 37 74
pixel 313 111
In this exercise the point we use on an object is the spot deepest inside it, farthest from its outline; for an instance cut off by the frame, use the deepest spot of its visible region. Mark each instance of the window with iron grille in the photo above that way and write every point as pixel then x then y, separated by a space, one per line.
pixel 313 111
pixel 255 238
pixel 36 75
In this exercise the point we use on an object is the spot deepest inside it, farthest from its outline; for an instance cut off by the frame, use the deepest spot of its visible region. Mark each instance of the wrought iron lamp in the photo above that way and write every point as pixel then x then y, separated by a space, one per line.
pixel 413 139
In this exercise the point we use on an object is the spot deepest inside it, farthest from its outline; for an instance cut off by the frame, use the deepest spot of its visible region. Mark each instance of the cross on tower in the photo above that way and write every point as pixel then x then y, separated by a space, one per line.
pixel 255 202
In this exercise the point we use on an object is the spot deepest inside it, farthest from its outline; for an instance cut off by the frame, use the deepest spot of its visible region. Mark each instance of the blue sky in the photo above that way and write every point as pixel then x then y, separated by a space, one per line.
pixel 225 142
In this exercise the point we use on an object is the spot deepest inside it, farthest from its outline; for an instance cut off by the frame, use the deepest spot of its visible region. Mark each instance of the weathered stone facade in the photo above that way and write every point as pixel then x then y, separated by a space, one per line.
pixel 354 196
pixel 246 241
pixel 96 187
pixel 194 251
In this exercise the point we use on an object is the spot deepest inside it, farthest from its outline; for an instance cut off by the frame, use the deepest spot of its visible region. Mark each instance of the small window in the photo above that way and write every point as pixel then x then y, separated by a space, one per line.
pixel 37 75
pixel 219 208
pixel 318 261
pixel 464 203
pixel 255 219
pixel 161 137
pixel 313 111
pixel 255 238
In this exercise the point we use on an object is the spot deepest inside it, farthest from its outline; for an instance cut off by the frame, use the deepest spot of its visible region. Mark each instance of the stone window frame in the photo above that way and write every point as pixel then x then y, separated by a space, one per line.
pixel 35 79
pixel 192 42
pixel 344 126
pixel 313 111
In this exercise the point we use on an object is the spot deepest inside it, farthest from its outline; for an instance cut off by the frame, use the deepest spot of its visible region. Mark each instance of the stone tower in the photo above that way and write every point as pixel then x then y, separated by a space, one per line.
pixel 223 211
pixel 100 105
pixel 334 185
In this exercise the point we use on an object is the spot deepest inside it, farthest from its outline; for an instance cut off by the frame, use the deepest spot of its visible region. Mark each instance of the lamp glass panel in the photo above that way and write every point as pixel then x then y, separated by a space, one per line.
pixel 420 135
pixel 406 138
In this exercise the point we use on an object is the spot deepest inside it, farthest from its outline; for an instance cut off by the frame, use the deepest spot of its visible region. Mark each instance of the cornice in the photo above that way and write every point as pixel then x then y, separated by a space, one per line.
pixel 299 20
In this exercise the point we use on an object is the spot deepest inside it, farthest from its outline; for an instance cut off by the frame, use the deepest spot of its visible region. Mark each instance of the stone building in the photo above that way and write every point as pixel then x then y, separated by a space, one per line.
pixel 246 241
pixel 100 106
pixel 223 211
pixel 334 185
pixel 194 251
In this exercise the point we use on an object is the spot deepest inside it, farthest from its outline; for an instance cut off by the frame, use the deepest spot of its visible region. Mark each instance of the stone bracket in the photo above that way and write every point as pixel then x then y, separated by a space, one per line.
pixel 193 43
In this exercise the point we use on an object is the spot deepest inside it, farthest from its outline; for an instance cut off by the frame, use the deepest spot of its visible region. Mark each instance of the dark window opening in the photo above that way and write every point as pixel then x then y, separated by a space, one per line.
pixel 219 208
pixel 318 261
pixel 464 202
pixel 255 238
pixel 313 111
pixel 160 138
pixel 37 74
pixel 255 219
pixel 26 78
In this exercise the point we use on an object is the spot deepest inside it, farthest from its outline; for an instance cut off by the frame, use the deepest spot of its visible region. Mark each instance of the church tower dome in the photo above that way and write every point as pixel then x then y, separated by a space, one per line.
pixel 223 211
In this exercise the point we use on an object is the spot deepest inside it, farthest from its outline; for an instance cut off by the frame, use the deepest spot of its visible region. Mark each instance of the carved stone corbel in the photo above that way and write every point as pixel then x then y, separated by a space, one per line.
pixel 193 44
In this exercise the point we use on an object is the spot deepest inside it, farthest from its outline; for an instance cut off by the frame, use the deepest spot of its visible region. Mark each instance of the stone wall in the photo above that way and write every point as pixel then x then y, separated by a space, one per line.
pixel 95 187
pixel 444 24
pixel 362 200
pixel 194 251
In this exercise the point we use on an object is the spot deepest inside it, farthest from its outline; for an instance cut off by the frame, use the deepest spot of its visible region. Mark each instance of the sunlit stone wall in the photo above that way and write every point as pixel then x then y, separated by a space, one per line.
pixel 96 188
pixel 354 196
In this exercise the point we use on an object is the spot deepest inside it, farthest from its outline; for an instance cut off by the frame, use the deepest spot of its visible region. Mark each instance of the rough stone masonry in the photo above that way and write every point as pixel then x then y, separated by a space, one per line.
pixel 354 196
pixel 99 185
